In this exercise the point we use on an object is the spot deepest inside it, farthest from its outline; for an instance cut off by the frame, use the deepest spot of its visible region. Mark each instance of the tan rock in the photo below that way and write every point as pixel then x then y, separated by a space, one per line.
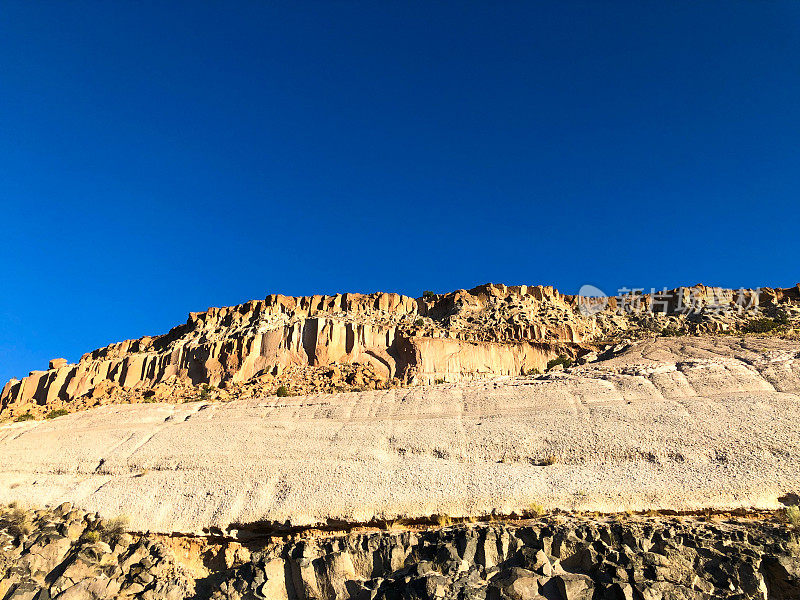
pixel 57 363
pixel 253 348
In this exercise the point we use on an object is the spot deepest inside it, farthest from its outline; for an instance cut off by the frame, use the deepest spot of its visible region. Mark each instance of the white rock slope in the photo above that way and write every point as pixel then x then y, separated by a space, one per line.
pixel 679 423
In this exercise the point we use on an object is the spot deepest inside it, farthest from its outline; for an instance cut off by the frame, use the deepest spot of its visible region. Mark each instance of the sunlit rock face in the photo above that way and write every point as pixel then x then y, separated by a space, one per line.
pixel 492 330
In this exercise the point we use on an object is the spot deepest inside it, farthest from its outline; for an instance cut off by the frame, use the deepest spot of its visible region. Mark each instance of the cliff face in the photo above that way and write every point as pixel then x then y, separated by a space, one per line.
pixel 374 340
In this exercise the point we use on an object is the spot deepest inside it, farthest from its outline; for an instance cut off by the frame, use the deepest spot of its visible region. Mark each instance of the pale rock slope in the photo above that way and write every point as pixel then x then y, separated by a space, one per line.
pixel 679 423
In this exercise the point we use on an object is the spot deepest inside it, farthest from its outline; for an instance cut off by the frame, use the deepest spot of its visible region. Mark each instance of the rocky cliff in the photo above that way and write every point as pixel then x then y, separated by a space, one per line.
pixel 357 341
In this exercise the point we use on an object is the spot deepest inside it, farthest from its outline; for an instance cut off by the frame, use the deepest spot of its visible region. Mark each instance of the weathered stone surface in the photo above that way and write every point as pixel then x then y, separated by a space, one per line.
pixel 254 348
pixel 732 559
pixel 630 432
pixel 38 564
pixel 631 557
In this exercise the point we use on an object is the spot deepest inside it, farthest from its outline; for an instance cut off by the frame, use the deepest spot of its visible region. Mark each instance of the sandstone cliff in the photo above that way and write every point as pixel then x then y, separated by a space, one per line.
pixel 356 341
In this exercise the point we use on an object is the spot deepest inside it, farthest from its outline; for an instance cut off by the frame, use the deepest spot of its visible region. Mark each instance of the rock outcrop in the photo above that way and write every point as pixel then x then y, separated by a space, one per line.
pixel 65 554
pixel 254 348
pixel 70 554
pixel 561 558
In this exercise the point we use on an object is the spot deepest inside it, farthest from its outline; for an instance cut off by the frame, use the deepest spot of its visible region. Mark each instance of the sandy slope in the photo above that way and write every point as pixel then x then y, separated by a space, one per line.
pixel 678 423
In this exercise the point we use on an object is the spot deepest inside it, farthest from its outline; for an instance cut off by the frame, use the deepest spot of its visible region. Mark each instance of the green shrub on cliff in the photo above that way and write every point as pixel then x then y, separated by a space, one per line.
pixel 762 325
pixel 565 361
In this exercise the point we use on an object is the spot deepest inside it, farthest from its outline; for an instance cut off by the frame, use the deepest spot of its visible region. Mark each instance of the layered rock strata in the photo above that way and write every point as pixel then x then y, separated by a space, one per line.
pixel 675 423
pixel 253 348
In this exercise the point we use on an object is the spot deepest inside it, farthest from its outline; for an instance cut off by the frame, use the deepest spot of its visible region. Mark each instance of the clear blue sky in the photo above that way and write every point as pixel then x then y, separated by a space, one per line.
pixel 160 158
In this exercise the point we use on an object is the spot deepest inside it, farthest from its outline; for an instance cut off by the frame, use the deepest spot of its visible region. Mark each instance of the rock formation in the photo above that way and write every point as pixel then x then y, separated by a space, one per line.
pixel 672 423
pixel 66 554
pixel 661 401
pixel 254 348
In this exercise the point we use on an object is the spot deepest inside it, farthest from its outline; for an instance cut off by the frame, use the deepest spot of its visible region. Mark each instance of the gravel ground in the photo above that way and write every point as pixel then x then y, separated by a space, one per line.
pixel 683 423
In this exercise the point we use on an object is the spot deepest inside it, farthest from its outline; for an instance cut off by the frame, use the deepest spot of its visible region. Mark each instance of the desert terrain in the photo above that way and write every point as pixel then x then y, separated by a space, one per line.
pixel 500 442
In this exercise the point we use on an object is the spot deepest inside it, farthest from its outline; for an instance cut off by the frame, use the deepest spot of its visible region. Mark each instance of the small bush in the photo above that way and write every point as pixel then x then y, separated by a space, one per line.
pixel 438 381
pixel 419 322
pixel 533 371
pixel 428 295
pixel 566 361
pixel 59 412
pixel 19 522
pixel 282 392
pixel 536 509
pixel 762 325
pixel 114 528
pixel 549 460
pixel 782 316
pixel 26 417
pixel 205 391
pixel 91 536
pixel 792 514
pixel 149 396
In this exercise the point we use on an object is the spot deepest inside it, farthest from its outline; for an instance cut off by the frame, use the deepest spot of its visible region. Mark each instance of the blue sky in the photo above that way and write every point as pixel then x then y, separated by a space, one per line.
pixel 162 159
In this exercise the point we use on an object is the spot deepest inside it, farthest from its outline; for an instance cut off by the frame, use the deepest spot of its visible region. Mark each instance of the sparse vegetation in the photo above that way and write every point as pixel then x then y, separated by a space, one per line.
pixel 536 509
pixel 792 514
pixel 442 520
pixel 549 460
pixel 282 392
pixel 91 536
pixel 532 372
pixel 438 380
pixel 149 396
pixel 58 412
pixel 19 522
pixel 114 528
pixel 673 331
pixel 761 325
pixel 205 391
pixel 26 417
pixel 565 361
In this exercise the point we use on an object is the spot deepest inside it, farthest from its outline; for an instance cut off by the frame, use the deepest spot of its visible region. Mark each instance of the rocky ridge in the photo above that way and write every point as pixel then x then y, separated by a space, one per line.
pixel 65 554
pixel 371 341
